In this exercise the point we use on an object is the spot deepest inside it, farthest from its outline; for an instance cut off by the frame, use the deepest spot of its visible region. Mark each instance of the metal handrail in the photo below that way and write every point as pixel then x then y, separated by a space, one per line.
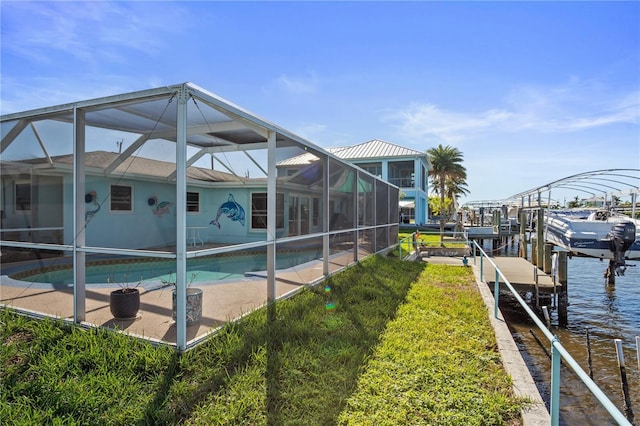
pixel 558 352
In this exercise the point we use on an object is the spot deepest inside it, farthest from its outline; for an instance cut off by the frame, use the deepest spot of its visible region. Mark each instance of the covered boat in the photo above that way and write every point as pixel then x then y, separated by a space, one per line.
pixel 602 234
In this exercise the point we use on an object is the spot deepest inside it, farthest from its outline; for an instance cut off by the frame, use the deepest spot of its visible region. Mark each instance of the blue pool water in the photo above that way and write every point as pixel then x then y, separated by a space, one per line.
pixel 206 269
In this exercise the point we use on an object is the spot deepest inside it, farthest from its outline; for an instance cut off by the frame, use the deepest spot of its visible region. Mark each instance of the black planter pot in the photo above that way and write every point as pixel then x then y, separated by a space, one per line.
pixel 124 303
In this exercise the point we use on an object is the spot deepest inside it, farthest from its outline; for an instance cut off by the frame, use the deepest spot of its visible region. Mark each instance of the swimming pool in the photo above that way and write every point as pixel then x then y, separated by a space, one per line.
pixel 199 270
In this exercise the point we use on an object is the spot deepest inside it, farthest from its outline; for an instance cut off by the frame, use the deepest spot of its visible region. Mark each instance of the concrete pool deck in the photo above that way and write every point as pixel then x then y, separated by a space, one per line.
pixel 222 302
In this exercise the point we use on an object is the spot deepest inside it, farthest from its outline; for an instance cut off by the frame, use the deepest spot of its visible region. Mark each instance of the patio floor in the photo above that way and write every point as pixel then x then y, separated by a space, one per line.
pixel 222 302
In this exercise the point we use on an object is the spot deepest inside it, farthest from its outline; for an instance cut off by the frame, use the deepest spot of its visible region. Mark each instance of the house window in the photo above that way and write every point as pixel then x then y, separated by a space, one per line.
pixel 259 210
pixel 373 168
pixel 401 173
pixel 121 198
pixel 424 179
pixel 23 197
pixel 193 202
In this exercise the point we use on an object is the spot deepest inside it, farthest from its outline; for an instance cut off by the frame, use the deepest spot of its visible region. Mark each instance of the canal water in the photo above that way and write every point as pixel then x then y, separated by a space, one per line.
pixel 607 312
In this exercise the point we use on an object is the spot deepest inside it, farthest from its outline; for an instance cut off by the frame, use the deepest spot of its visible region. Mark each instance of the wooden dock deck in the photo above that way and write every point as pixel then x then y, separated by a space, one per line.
pixel 520 273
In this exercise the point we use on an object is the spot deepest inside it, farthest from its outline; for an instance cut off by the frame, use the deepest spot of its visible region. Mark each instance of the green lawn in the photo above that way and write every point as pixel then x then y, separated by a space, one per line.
pixel 428 239
pixel 409 341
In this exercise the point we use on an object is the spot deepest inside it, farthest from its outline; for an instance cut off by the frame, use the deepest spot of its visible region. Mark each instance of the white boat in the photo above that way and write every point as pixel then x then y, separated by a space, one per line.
pixel 601 234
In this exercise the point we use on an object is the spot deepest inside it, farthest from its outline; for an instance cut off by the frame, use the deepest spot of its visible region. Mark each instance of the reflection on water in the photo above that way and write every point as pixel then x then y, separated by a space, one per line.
pixel 607 313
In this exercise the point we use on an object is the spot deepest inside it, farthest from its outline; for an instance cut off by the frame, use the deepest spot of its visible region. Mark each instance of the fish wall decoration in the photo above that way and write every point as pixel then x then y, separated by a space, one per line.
pixel 232 210
pixel 161 208
pixel 91 197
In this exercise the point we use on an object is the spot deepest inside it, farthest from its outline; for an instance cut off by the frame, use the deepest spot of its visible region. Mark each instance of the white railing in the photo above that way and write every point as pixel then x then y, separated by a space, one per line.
pixel 558 352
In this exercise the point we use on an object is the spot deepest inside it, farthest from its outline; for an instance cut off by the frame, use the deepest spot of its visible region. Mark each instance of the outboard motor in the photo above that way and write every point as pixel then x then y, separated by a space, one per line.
pixel 621 237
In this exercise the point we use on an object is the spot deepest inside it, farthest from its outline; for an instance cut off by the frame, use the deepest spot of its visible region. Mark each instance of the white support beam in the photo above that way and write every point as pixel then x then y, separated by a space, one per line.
pixel 261 127
pixel 225 166
pixel 356 225
pixel 79 223
pixel 13 134
pixel 181 219
pixel 256 163
pixel 271 218
pixel 126 154
pixel 234 147
pixel 42 146
pixel 190 162
pixel 169 134
pixel 326 241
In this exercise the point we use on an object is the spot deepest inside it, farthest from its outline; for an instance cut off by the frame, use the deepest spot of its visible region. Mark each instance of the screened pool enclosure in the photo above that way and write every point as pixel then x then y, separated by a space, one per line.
pixel 170 189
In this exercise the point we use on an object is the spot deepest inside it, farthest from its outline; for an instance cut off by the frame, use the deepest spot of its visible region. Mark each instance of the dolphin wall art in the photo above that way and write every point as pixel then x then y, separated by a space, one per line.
pixel 232 210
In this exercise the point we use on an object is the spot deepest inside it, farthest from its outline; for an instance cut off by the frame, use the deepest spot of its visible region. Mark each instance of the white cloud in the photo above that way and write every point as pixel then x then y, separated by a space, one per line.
pixel 429 122
pixel 31 93
pixel 298 84
pixel 573 107
pixel 310 131
pixel 87 31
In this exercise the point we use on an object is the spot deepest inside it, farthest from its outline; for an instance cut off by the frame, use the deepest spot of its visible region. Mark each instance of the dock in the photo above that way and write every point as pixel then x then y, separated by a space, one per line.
pixel 521 273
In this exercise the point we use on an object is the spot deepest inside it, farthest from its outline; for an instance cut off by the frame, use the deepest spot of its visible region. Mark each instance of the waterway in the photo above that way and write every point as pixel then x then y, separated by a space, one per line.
pixel 607 312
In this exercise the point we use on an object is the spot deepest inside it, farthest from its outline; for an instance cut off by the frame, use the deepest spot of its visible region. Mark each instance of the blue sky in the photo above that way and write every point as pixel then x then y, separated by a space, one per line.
pixel 530 92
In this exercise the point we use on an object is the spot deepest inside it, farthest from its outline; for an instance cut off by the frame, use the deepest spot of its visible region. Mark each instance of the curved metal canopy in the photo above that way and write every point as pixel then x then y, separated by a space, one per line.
pixel 596 183
pixel 606 181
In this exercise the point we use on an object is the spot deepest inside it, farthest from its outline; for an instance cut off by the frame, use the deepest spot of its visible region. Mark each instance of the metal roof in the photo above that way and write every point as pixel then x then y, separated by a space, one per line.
pixel 377 149
pixel 373 149
pixel 306 158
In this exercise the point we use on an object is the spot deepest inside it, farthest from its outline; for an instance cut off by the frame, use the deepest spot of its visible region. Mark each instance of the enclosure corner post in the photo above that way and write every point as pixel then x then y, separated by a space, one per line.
pixel 271 216
pixel 79 257
pixel 181 219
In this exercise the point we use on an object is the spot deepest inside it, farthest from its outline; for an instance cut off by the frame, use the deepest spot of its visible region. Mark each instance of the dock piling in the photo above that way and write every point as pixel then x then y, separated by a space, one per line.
pixel 547 318
pixel 540 238
pixel 638 350
pixel 563 295
pixel 523 235
pixel 623 377
pixel 546 264
pixel 590 362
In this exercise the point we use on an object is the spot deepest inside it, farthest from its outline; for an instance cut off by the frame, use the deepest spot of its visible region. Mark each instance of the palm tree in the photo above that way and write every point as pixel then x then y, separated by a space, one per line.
pixel 446 172
pixel 455 187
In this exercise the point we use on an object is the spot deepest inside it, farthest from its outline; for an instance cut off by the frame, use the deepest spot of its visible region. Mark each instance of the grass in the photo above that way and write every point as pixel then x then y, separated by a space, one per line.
pixel 437 361
pixel 314 359
pixel 429 240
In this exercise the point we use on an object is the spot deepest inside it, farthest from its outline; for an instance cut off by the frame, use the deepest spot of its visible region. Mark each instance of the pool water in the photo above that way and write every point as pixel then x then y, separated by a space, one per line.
pixel 199 270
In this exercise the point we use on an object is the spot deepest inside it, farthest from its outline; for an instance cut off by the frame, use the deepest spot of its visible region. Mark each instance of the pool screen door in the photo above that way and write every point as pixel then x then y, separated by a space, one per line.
pixel 298 215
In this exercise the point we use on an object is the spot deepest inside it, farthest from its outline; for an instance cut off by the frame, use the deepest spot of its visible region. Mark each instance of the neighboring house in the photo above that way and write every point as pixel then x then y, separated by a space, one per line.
pixel 403 167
